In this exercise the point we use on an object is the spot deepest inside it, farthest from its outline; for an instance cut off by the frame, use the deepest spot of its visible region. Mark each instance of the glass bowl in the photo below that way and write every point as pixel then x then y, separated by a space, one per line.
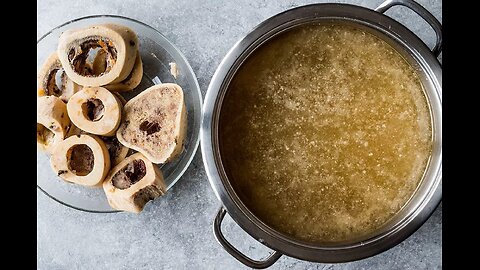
pixel 157 53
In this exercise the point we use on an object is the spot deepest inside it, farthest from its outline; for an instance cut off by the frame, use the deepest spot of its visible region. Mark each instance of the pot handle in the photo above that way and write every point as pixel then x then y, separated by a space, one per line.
pixel 234 252
pixel 427 16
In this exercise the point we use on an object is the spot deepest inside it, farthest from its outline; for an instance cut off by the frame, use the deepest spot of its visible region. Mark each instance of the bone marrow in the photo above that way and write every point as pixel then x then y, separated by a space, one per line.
pixel 82 159
pixel 129 175
pixel 52 122
pixel 95 110
pixel 53 81
pixel 116 45
pixel 81 57
pixel 132 183
pixel 149 127
pixel 155 123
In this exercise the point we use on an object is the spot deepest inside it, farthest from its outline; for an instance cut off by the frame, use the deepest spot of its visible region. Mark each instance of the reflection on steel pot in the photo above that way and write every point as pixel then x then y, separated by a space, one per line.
pixel 428 193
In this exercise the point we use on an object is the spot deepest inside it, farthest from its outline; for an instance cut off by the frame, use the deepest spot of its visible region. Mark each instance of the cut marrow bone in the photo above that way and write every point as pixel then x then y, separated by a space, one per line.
pixel 95 110
pixel 155 123
pixel 52 122
pixel 118 43
pixel 132 183
pixel 81 159
pixel 53 81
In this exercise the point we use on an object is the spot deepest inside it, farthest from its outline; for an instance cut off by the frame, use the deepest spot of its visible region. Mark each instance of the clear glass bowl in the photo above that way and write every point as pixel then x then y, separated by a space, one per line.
pixel 157 52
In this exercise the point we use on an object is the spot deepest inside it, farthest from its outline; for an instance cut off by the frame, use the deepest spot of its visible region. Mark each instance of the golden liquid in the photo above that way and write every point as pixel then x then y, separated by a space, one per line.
pixel 325 133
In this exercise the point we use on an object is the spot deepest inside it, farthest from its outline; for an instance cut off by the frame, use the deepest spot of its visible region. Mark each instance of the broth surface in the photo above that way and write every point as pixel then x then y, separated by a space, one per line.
pixel 325 132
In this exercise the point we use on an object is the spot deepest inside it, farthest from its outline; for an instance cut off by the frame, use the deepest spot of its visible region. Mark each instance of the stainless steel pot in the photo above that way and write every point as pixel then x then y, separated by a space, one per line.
pixel 428 194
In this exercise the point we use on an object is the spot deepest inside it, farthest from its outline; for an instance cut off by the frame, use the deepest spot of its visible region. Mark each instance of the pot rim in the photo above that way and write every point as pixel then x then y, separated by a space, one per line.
pixel 362 17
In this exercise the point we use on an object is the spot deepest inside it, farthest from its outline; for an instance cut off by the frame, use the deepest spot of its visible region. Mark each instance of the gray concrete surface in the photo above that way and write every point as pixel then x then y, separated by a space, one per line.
pixel 175 232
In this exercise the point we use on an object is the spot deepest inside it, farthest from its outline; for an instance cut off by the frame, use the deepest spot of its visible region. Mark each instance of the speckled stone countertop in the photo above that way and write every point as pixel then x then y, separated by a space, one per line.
pixel 175 232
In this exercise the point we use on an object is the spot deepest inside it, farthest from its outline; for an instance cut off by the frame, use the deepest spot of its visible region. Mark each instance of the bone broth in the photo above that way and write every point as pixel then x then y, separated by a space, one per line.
pixel 325 132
